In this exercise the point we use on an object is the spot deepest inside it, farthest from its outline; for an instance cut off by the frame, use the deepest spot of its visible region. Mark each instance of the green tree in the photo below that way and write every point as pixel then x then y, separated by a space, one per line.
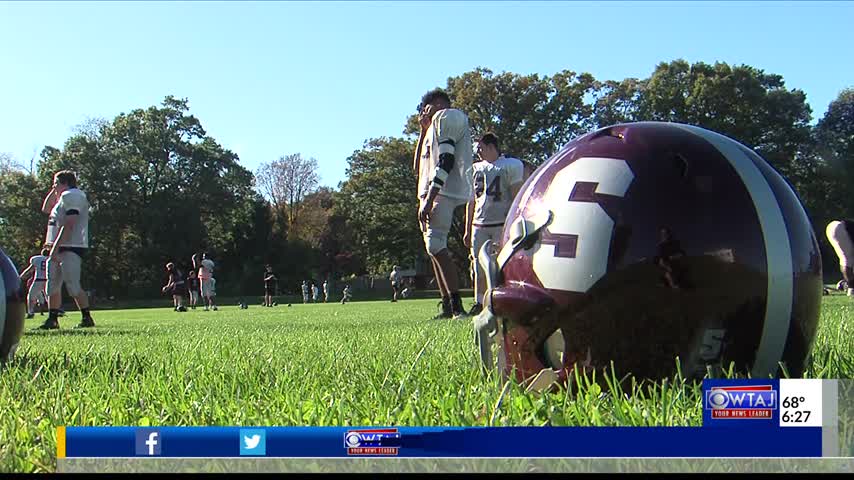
pixel 315 210
pixel 379 202
pixel 617 102
pixel 835 143
pixel 22 225
pixel 832 185
pixel 742 102
pixel 286 182
pixel 160 190
pixel 533 116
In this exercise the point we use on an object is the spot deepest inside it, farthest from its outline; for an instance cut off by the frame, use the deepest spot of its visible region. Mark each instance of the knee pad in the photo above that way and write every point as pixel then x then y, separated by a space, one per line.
pixel 436 243
pixel 73 288
pixel 53 286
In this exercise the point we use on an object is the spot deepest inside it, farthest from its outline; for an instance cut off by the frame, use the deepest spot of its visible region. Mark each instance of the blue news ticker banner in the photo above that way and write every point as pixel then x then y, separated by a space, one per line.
pixel 740 419
pixel 445 442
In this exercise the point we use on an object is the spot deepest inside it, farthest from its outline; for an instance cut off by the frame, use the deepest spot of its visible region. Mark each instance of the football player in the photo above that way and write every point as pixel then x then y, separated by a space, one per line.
pixel 347 295
pixel 176 287
pixel 325 291
pixel 840 234
pixel 394 278
pixel 193 287
pixel 443 163
pixel 38 271
pixel 315 292
pixel 213 292
pixel 269 286
pixel 304 291
pixel 206 278
pixel 497 180
pixel 68 240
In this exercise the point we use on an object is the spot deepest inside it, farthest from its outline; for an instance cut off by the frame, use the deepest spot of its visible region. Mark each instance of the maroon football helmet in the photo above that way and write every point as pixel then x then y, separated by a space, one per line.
pixel 12 308
pixel 644 243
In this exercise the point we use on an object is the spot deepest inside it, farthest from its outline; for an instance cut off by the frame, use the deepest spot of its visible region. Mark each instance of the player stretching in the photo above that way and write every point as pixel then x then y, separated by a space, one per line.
pixel 68 240
pixel 497 180
pixel 176 287
pixel 206 268
pixel 443 163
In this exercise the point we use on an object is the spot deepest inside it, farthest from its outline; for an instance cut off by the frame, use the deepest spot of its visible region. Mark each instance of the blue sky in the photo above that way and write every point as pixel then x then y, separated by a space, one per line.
pixel 319 78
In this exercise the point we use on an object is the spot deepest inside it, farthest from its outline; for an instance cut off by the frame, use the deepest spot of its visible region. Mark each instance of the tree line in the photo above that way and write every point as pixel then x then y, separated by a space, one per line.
pixel 161 189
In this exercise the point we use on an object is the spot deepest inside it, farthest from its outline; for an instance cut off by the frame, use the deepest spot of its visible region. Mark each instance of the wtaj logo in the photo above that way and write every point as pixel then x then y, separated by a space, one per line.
pixel 742 402
pixel 382 441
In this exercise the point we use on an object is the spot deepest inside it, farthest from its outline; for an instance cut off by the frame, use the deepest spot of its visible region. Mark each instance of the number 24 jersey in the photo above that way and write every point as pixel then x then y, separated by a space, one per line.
pixel 492 182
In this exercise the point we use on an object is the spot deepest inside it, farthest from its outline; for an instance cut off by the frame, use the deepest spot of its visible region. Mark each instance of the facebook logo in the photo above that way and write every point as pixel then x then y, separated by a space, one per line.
pixel 148 441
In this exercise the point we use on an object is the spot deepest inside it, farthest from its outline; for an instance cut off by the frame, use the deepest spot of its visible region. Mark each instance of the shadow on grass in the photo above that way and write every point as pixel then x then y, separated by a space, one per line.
pixel 82 332
pixel 33 365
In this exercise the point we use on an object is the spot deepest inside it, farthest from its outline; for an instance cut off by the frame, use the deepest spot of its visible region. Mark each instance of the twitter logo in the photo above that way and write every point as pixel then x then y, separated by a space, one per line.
pixel 253 441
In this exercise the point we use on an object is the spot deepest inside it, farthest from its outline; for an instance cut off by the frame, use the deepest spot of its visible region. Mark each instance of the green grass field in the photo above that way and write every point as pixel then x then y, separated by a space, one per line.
pixel 368 363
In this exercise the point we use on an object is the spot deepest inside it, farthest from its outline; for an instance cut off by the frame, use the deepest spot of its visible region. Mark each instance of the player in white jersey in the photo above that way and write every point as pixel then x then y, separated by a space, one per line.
pixel 206 279
pixel 68 240
pixel 38 270
pixel 394 278
pixel 305 290
pixel 840 234
pixel 442 162
pixel 497 180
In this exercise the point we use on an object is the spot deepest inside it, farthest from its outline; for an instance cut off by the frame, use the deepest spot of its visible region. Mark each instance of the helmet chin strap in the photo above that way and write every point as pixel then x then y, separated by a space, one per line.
pixel 488 327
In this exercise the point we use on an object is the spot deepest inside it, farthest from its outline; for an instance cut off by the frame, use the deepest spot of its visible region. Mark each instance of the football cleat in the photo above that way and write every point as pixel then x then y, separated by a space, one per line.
pixel 86 323
pixel 651 245
pixel 48 325
pixel 444 311
pixel 13 308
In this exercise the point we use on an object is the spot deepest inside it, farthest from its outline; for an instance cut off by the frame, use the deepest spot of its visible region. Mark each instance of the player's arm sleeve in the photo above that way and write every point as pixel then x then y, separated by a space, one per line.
pixel 448 126
pixel 517 173
pixel 66 204
pixel 71 205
